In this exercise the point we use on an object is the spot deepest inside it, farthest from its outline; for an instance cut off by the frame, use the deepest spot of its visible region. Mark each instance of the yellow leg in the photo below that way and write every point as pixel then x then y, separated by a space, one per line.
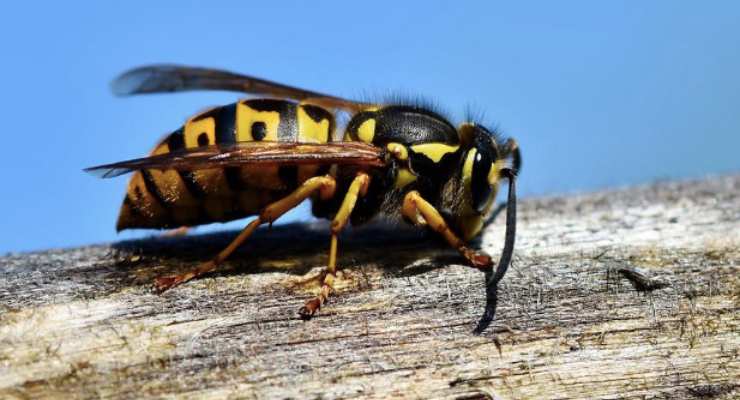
pixel 357 188
pixel 414 207
pixel 324 184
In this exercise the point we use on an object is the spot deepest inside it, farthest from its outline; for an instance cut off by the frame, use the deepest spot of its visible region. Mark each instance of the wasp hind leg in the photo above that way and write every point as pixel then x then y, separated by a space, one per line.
pixel 357 188
pixel 177 232
pixel 414 207
pixel 325 185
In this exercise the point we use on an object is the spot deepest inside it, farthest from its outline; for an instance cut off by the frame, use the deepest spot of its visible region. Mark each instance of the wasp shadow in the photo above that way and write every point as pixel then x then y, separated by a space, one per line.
pixel 294 248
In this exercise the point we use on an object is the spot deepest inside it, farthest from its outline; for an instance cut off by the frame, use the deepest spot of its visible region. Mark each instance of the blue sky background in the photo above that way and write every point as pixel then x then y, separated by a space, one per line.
pixel 599 94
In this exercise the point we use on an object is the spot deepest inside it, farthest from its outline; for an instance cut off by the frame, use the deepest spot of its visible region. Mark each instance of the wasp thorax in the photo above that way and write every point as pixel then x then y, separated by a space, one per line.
pixel 402 124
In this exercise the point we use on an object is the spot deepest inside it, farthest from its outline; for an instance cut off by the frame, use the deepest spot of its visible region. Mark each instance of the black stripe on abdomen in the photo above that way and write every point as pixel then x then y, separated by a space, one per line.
pixel 233 177
pixel 175 142
pixel 226 125
pixel 224 120
pixel 191 184
pixel 153 189
pixel 288 175
pixel 132 206
pixel 287 126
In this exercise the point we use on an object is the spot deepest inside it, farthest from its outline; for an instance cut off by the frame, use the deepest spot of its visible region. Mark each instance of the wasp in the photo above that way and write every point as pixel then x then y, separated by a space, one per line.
pixel 265 155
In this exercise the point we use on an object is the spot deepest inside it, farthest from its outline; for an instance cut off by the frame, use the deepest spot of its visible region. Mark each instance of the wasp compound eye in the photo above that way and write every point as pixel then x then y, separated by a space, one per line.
pixel 480 188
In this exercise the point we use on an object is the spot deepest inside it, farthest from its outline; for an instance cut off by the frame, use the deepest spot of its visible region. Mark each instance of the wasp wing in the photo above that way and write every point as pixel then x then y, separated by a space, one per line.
pixel 177 78
pixel 250 153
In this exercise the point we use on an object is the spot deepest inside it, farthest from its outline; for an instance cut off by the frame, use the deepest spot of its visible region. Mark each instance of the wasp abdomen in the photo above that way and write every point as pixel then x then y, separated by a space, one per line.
pixel 170 198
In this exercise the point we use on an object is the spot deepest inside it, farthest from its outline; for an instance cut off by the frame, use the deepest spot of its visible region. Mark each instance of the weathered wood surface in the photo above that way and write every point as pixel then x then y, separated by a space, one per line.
pixel 82 323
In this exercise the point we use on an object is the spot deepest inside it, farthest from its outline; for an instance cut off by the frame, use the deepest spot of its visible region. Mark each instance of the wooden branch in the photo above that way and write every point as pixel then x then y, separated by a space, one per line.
pixel 572 324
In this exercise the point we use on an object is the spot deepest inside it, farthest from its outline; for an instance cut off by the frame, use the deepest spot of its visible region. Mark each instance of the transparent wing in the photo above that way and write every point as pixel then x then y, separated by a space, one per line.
pixel 177 78
pixel 246 153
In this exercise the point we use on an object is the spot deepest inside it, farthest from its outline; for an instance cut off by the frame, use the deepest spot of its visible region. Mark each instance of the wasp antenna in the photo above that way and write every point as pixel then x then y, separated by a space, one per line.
pixel 493 278
pixel 512 150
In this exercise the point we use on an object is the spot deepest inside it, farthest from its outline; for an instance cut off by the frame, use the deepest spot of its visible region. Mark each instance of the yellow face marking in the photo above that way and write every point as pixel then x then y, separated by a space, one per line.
pixel 195 128
pixel 471 223
pixel 310 131
pixel 404 177
pixel 467 172
pixel 434 151
pixel 493 174
pixel 366 130
pixel 246 116
pixel 398 150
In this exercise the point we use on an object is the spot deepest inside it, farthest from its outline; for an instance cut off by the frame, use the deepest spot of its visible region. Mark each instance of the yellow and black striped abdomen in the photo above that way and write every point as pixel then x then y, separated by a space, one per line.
pixel 170 199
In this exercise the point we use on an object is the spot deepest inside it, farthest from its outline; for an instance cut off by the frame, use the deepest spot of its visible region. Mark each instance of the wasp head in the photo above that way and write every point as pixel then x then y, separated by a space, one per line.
pixel 469 196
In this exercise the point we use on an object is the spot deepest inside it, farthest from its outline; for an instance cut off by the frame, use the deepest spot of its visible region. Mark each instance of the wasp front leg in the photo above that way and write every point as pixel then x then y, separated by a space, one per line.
pixel 416 208
pixel 357 188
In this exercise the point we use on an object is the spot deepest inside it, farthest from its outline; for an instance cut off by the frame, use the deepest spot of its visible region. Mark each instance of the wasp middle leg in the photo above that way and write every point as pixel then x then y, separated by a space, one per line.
pixel 357 188
pixel 325 185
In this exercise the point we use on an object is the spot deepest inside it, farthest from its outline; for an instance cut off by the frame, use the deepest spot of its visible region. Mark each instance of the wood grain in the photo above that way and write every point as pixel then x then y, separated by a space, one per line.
pixel 83 323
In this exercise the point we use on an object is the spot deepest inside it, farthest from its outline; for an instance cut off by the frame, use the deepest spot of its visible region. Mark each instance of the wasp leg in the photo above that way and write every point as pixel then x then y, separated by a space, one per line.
pixel 181 231
pixel 357 188
pixel 414 207
pixel 325 185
